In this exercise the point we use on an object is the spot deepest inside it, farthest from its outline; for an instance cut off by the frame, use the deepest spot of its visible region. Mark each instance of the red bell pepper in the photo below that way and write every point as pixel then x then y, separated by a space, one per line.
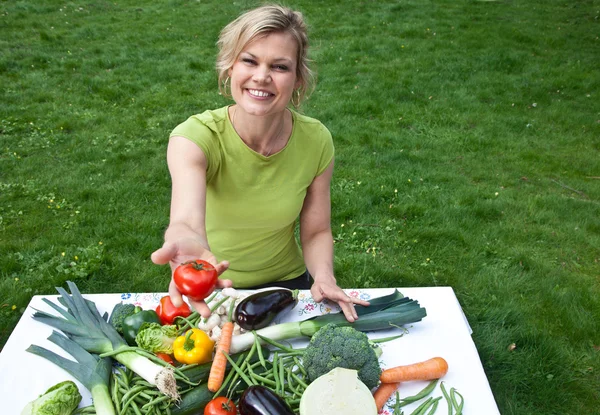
pixel 167 312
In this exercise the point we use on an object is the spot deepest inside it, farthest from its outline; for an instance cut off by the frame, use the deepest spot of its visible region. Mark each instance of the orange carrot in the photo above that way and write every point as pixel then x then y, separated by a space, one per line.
pixel 430 369
pixel 384 392
pixel 219 364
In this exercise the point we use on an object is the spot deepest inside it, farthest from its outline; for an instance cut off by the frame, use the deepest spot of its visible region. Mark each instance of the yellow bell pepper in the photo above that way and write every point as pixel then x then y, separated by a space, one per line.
pixel 194 347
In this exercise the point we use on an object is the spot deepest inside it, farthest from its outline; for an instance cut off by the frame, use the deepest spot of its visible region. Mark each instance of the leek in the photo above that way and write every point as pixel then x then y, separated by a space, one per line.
pixel 392 310
pixel 83 324
pixel 92 371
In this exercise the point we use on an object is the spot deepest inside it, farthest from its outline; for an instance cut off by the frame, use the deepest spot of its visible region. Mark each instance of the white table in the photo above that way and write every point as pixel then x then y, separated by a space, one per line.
pixel 444 332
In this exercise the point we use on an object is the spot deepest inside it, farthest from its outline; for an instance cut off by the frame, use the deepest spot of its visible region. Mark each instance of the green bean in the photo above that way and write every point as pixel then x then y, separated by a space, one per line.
pixel 239 370
pixel 422 407
pixel 300 381
pixel 156 402
pixel 230 376
pixel 132 391
pixel 434 406
pixel 262 379
pixel 397 405
pixel 447 397
pixel 114 392
pixel 261 358
pixel 136 409
pixel 422 394
pixel 457 406
pixel 274 371
pixel 387 339
pixel 276 344
pixel 190 321
pixel 245 362
pixel 299 365
pixel 86 410
pixel 292 386
pixel 281 376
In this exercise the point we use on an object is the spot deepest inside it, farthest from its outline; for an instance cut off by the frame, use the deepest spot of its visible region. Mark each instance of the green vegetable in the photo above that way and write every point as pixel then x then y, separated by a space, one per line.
pixel 385 312
pixel 156 338
pixel 194 401
pixel 133 323
pixel 90 370
pixel 60 399
pixel 84 325
pixel 345 347
pixel 119 313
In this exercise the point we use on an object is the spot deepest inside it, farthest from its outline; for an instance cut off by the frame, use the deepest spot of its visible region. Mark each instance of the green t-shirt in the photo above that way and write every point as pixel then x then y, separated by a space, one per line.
pixel 253 201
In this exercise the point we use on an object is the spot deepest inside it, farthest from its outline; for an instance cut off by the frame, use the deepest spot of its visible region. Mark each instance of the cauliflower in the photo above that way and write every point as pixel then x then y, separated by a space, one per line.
pixel 345 347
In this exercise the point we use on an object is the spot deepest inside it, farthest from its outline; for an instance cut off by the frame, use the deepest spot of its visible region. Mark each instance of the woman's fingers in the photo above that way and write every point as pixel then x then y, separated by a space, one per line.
pixel 349 311
pixel 164 254
pixel 175 295
pixel 201 307
pixel 321 291
pixel 221 267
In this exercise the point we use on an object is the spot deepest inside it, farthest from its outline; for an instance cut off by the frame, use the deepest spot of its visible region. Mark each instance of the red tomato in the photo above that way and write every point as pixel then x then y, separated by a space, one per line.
pixel 220 406
pixel 167 358
pixel 167 311
pixel 196 279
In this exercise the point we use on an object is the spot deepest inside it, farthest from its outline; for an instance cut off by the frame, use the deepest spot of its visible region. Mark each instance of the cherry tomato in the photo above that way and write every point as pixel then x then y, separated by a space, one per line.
pixel 196 279
pixel 167 358
pixel 220 406
pixel 167 311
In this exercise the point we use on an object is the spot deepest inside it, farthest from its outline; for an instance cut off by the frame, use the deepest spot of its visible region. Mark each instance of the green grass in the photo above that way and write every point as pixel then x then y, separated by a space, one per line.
pixel 467 154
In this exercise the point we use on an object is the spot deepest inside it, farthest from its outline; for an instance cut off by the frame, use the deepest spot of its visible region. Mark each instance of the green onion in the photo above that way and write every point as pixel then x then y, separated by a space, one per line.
pixel 83 324
pixel 392 310
pixel 91 370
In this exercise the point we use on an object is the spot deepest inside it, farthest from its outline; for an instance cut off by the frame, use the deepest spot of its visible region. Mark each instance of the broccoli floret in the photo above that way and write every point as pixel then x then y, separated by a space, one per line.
pixel 346 347
pixel 119 313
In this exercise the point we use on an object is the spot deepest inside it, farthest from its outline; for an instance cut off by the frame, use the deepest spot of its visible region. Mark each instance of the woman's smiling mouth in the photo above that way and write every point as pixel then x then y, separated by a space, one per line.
pixel 259 94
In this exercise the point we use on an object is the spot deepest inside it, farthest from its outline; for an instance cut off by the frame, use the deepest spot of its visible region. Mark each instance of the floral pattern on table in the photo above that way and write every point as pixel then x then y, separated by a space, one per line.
pixel 142 299
pixel 309 307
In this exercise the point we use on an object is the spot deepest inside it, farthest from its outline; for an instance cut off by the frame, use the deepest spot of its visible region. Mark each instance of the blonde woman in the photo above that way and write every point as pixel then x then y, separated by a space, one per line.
pixel 243 174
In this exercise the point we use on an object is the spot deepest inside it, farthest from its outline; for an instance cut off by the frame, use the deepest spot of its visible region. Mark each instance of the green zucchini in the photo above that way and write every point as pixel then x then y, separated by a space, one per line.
pixel 194 401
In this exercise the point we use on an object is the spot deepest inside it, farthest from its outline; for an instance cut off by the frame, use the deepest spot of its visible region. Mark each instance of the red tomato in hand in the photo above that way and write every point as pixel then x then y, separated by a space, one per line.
pixel 196 279
pixel 220 406
pixel 167 311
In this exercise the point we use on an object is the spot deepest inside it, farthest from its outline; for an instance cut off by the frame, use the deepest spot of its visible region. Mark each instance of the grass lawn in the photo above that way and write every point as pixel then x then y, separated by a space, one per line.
pixel 467 154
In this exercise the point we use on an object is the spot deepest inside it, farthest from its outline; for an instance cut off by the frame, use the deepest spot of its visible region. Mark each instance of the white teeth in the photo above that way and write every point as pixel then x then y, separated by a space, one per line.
pixel 258 93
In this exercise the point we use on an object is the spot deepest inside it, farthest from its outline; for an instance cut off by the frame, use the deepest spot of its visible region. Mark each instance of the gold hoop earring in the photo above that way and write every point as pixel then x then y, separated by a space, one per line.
pixel 224 87
pixel 296 98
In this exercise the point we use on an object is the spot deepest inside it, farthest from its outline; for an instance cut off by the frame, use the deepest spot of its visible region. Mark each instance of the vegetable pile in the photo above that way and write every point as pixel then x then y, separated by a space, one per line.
pixel 176 362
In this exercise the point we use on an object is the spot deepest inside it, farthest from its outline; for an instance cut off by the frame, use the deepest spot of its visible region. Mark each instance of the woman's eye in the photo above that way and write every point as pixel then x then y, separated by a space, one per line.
pixel 281 67
pixel 248 61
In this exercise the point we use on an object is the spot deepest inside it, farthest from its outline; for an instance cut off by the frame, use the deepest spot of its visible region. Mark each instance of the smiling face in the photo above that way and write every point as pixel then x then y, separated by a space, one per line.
pixel 263 76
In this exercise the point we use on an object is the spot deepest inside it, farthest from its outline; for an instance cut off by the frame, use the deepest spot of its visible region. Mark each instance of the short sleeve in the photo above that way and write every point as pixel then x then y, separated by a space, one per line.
pixel 196 130
pixel 328 150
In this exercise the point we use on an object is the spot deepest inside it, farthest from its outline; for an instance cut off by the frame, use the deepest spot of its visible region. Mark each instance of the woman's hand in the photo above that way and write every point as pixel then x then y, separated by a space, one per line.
pixel 329 290
pixel 188 249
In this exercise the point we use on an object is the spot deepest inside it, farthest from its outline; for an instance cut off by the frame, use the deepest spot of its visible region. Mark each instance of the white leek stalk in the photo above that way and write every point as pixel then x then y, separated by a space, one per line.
pixel 84 325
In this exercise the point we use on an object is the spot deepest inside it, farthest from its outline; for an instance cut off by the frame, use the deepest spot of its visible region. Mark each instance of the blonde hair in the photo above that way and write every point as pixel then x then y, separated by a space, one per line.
pixel 257 23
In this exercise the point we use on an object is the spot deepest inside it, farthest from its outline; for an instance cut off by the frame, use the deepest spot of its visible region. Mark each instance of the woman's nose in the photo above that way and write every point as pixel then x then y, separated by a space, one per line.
pixel 262 74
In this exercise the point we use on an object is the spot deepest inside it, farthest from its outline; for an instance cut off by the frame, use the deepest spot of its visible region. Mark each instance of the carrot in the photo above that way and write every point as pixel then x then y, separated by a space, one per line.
pixel 430 369
pixel 384 392
pixel 219 364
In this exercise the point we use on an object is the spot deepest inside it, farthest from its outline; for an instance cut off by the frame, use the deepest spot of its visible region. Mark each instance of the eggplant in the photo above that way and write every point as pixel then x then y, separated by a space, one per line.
pixel 259 309
pixel 259 400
